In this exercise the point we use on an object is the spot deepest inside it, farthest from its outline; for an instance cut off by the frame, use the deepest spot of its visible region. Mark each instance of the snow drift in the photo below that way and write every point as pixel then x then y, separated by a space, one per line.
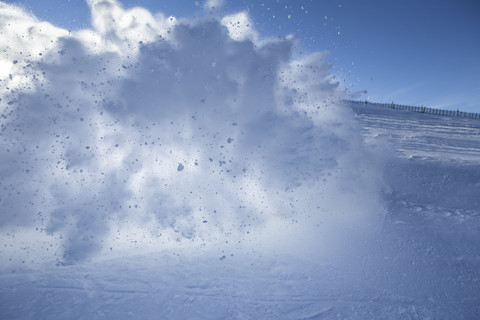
pixel 150 133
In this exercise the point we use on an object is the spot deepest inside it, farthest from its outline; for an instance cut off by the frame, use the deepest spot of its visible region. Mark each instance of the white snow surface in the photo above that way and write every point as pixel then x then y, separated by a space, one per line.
pixel 155 168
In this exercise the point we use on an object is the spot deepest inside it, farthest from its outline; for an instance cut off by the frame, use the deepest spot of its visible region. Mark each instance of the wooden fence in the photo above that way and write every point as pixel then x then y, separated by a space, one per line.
pixel 422 109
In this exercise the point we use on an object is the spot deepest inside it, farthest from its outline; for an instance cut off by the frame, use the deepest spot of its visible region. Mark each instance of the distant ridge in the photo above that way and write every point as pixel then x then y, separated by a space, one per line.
pixel 422 109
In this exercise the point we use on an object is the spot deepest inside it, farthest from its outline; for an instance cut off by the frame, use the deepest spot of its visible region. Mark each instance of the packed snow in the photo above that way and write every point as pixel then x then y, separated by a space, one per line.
pixel 163 168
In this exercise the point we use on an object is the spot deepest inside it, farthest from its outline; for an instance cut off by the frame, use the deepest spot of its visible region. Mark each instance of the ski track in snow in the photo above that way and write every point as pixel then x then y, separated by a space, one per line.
pixel 151 289
pixel 418 135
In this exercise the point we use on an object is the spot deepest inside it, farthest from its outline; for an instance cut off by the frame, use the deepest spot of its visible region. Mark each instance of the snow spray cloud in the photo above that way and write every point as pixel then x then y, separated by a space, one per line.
pixel 179 132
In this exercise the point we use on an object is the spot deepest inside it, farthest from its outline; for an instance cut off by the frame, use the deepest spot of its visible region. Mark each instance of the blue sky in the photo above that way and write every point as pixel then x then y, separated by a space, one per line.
pixel 410 52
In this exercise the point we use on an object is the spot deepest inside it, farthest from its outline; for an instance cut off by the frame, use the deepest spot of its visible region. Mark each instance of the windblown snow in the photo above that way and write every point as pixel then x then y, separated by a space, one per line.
pixel 163 168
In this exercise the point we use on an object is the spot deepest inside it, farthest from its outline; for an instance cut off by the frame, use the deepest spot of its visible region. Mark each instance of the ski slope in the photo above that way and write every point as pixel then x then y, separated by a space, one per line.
pixel 175 169
pixel 422 264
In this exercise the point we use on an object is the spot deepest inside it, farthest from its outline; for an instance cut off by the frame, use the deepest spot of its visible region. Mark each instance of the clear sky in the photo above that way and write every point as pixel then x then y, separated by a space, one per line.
pixel 410 52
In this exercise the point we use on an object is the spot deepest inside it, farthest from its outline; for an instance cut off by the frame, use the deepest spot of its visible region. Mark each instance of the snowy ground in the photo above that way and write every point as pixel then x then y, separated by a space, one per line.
pixel 424 262
pixel 434 206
